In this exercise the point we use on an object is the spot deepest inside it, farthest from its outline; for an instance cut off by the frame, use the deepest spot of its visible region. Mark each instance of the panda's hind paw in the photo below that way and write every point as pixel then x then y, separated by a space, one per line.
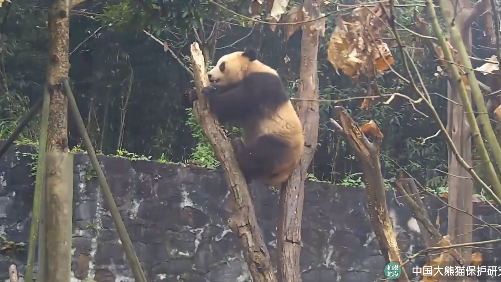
pixel 208 90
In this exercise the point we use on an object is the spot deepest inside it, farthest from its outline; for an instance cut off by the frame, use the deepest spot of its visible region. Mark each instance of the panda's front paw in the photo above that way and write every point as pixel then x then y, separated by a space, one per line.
pixel 209 90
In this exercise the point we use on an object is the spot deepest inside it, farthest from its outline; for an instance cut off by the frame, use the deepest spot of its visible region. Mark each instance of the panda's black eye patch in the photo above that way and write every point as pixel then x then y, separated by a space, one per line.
pixel 222 66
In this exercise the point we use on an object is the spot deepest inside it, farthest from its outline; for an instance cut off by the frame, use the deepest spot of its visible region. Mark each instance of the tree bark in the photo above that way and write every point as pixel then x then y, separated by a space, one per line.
pixel 243 222
pixel 367 154
pixel 58 68
pixel 59 220
pixel 292 192
pixel 460 183
pixel 58 202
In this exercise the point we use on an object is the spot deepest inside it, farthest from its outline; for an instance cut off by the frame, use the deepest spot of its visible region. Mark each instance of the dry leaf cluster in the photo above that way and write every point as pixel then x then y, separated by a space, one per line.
pixel 356 46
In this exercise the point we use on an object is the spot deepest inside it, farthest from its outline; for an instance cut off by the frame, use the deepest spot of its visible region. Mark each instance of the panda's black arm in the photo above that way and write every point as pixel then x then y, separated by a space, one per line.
pixel 258 93
pixel 231 105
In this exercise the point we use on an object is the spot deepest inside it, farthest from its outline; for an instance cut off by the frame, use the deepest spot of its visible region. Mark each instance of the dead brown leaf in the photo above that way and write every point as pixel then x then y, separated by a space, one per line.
pixel 497 113
pixel 445 241
pixel 371 128
pixel 437 221
pixel 432 265
pixel 443 195
pixel 367 103
pixel 356 46
pixel 443 63
pixel 476 259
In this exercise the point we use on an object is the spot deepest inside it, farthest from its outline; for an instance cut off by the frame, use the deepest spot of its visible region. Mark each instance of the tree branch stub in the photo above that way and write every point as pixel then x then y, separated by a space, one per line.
pixel 368 155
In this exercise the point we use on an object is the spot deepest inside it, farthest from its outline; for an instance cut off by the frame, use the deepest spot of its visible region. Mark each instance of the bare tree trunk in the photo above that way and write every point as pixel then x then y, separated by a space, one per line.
pixel 292 192
pixel 59 202
pixel 460 183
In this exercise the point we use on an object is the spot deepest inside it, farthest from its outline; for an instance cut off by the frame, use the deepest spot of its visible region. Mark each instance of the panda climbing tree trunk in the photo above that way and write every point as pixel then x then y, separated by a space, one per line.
pixel 292 192
pixel 243 221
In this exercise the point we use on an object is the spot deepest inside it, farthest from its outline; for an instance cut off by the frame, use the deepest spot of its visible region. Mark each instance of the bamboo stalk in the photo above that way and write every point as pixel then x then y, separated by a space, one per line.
pixel 494 180
pixel 436 117
pixel 39 188
pixel 476 93
pixel 119 224
pixel 21 126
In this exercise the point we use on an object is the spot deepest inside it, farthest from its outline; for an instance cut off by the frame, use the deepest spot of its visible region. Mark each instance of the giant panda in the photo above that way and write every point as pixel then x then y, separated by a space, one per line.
pixel 244 90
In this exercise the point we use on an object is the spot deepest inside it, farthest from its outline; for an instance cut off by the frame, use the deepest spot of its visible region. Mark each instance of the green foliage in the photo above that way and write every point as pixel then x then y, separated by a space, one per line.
pixel 353 180
pixel 202 155
pixel 164 159
pixel 10 248
pixel 118 14
pixel 13 108
pixel 76 149
pixel 90 172
pixel 180 16
pixel 131 156
pixel 33 164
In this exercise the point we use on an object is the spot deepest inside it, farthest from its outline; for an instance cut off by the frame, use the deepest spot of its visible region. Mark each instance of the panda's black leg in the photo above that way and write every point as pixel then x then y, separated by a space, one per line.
pixel 262 157
pixel 239 150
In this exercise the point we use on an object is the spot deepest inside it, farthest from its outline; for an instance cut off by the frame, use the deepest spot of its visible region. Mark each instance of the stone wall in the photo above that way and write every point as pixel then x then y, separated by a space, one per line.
pixel 177 219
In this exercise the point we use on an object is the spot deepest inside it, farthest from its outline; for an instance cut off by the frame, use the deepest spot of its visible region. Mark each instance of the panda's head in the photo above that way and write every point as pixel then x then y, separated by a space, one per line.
pixel 232 68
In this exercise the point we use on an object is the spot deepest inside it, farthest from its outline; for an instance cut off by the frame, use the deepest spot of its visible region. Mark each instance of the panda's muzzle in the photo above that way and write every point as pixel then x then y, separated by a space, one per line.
pixel 211 80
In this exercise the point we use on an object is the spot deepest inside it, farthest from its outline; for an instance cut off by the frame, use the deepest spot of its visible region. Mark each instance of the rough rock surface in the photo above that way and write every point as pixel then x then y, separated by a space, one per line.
pixel 177 220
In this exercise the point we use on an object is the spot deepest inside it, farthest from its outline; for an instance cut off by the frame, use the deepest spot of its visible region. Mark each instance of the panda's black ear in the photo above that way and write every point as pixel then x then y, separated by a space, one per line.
pixel 250 53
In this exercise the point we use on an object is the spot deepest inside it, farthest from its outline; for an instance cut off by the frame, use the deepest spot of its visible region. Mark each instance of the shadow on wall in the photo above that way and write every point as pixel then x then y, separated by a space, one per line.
pixel 177 219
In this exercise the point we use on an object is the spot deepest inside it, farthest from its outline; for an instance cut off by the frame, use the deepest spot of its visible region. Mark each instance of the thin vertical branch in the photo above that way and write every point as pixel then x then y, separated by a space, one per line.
pixel 134 263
